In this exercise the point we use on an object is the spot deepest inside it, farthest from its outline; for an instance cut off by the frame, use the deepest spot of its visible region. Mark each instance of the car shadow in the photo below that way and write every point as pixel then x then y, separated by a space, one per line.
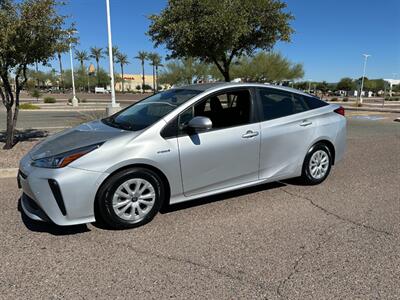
pixel 50 228
pixel 220 197
pixel 294 181
pixel 56 230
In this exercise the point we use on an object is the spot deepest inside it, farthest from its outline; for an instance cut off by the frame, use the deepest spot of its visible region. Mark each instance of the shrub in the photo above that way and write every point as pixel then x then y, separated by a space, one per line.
pixel 35 93
pixel 138 87
pixel 28 106
pixel 49 100
pixel 392 98
pixel 147 87
pixel 334 99
pixel 345 99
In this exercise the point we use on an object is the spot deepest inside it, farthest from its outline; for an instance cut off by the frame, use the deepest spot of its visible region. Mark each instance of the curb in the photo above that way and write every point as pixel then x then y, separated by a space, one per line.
pixel 8 173
pixel 372 109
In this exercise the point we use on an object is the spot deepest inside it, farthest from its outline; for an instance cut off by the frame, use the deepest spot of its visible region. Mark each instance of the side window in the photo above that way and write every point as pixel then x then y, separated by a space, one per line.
pixel 224 110
pixel 277 104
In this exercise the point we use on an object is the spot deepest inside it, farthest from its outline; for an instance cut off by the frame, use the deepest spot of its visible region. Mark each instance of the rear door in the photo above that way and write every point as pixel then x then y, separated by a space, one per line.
pixel 228 154
pixel 287 129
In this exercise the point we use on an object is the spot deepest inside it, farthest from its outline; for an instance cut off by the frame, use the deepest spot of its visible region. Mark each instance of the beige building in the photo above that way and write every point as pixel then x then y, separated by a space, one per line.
pixel 131 81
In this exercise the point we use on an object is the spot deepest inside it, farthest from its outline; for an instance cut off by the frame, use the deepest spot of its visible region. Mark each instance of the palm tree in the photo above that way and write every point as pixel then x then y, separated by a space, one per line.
pixel 97 54
pixel 122 60
pixel 155 61
pixel 115 51
pixel 142 56
pixel 61 48
pixel 82 56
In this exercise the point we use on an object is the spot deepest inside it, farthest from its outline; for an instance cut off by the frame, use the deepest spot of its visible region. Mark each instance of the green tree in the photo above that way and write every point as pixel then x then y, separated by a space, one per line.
pixel 185 71
pixel 346 84
pixel 30 31
pixel 96 54
pixel 323 87
pixel 122 60
pixel 142 56
pixel 301 85
pixel 266 67
pixel 220 31
pixel 81 78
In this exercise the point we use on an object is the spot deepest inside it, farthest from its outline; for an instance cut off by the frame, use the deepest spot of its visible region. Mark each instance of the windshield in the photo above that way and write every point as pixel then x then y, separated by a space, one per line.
pixel 148 111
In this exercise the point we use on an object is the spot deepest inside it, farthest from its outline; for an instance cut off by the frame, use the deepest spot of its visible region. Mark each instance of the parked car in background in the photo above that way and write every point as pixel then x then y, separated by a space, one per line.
pixel 179 145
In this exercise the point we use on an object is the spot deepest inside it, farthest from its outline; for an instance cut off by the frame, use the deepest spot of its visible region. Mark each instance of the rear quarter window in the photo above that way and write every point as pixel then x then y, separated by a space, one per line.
pixel 313 102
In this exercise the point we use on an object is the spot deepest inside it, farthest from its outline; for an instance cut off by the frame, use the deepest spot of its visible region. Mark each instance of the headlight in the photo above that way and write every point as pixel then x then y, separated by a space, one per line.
pixel 64 159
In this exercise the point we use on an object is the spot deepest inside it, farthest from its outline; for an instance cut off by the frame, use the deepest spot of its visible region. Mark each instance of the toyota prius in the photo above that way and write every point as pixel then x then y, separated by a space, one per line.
pixel 178 145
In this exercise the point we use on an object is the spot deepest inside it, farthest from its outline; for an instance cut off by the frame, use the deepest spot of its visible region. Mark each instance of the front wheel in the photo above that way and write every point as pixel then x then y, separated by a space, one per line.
pixel 317 164
pixel 130 198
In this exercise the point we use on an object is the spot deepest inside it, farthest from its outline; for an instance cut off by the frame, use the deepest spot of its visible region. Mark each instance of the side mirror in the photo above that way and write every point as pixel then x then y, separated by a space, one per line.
pixel 198 124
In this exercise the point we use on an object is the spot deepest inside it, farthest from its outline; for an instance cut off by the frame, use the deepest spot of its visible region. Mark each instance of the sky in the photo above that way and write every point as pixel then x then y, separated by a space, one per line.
pixel 329 40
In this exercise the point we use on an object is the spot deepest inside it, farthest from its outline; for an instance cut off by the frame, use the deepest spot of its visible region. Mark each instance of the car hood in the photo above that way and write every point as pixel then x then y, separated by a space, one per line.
pixel 81 136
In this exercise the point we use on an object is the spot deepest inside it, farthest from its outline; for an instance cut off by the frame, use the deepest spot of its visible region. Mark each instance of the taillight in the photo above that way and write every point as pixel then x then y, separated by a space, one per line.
pixel 340 111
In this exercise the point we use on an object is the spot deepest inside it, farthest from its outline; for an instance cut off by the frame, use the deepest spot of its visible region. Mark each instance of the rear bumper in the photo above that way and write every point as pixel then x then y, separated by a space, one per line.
pixel 64 196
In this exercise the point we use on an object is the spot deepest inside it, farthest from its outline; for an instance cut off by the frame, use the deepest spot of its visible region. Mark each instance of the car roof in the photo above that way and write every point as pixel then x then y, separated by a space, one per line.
pixel 203 87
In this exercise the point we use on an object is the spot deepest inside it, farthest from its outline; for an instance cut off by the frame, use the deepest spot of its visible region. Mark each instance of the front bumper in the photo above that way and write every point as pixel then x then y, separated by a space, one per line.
pixel 65 196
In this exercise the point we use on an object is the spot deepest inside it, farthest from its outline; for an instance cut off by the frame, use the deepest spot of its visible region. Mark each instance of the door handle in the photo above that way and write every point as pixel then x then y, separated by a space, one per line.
pixel 305 123
pixel 250 134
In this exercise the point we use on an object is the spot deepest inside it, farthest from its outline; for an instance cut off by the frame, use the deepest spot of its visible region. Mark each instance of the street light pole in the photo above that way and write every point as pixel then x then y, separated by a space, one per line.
pixel 362 79
pixel 114 106
pixel 75 101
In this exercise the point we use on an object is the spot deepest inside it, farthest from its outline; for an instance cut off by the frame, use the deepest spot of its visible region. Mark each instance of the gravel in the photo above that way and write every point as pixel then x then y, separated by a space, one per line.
pixel 10 158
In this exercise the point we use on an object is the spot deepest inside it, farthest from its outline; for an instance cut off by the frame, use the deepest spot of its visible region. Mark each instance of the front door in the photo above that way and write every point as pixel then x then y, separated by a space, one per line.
pixel 228 154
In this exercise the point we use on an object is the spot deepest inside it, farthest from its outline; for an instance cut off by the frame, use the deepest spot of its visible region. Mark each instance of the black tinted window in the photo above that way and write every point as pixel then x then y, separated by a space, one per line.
pixel 224 110
pixel 171 129
pixel 313 102
pixel 277 103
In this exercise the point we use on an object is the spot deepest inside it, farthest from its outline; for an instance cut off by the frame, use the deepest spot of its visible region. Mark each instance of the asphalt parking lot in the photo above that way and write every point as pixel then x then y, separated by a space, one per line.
pixel 337 240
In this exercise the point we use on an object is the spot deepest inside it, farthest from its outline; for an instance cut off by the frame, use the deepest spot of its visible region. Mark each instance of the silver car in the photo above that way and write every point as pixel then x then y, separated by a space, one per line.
pixel 179 145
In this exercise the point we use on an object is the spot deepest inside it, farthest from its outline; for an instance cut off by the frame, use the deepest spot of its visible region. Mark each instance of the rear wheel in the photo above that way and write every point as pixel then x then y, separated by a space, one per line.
pixel 130 198
pixel 317 164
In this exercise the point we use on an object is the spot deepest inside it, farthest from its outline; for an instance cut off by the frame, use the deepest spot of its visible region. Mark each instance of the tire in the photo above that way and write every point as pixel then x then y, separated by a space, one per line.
pixel 130 198
pixel 317 164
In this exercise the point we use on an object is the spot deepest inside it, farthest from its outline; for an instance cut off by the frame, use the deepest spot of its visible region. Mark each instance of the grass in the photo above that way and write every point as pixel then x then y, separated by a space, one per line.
pixel 28 106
